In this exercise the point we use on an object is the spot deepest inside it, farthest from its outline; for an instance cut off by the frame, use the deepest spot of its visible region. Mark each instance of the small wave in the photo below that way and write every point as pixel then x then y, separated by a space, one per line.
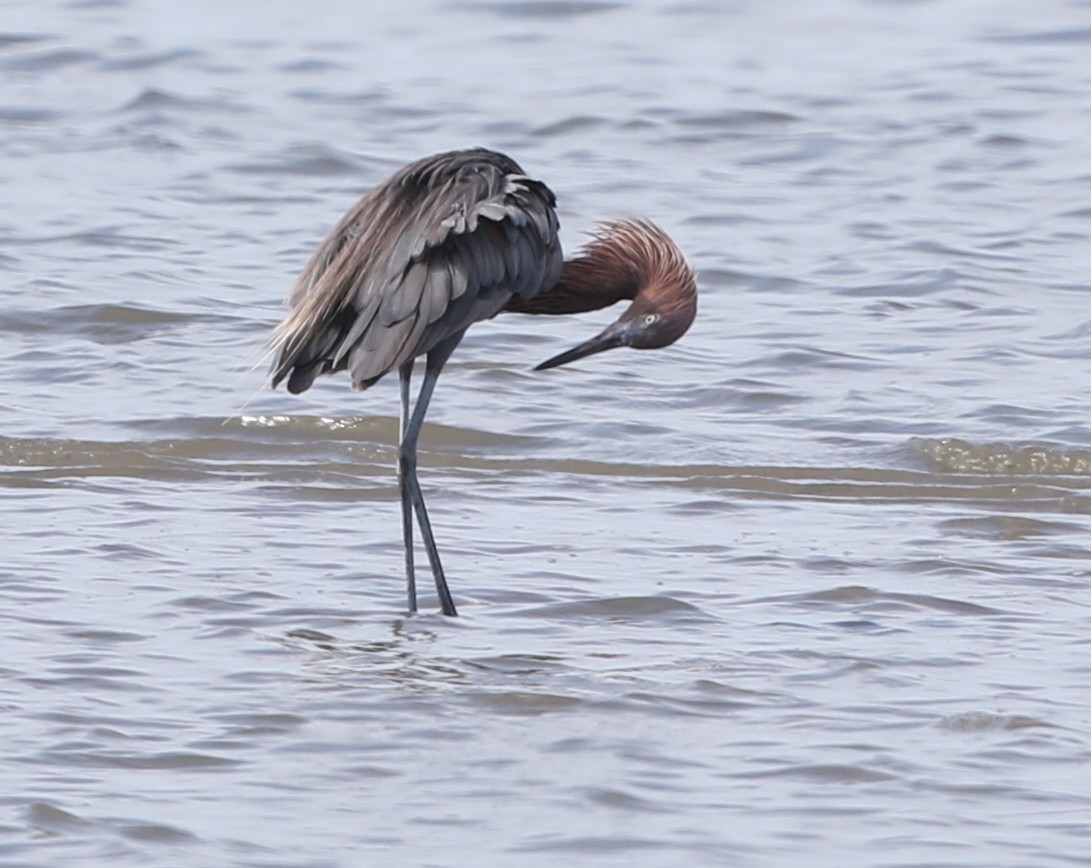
pixel 951 455
pixel 860 598
pixel 101 323
pixel 737 120
pixel 1074 35
pixel 566 126
pixel 41 61
pixel 157 98
pixel 104 237
pixel 559 9
pixel 11 39
pixel 653 609
pixel 309 160
pixel 12 115
pixel 984 721
pixel 150 60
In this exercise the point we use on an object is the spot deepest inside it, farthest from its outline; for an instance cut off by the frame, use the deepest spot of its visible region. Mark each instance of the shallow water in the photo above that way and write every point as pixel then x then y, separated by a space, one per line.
pixel 809 587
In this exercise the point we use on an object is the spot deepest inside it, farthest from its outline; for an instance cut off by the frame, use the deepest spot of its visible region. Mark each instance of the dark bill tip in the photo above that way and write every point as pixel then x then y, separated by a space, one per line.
pixel 612 337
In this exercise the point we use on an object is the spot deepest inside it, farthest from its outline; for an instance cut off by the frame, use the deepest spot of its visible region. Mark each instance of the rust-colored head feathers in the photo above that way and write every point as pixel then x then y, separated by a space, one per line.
pixel 625 259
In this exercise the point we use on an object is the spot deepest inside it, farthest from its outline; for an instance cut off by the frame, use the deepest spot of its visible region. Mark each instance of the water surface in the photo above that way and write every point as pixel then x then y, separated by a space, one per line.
pixel 809 587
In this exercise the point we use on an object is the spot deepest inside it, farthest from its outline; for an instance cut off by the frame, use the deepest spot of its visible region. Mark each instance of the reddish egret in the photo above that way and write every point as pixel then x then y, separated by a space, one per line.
pixel 447 241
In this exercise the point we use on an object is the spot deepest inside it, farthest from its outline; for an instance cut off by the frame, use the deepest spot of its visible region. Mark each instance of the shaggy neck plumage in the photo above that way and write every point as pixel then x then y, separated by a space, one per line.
pixel 620 261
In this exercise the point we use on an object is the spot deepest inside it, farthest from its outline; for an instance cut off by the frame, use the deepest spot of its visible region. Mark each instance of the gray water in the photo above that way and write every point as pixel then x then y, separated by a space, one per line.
pixel 810 587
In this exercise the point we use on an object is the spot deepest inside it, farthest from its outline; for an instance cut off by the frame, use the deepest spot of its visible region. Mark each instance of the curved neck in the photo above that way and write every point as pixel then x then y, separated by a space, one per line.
pixel 588 282
pixel 625 259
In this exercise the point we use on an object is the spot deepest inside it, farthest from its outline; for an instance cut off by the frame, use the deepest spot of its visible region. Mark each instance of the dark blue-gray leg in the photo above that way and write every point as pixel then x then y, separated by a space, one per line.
pixel 407 471
pixel 404 373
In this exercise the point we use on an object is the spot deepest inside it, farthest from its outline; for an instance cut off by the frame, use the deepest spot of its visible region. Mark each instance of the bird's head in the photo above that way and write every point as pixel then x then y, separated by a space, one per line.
pixel 664 289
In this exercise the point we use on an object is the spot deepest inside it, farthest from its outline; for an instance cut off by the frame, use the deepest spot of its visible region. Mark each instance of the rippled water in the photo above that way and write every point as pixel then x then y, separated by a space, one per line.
pixel 809 587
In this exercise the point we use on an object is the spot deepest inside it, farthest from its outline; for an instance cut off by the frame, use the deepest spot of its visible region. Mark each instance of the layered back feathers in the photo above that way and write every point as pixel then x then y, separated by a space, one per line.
pixel 444 242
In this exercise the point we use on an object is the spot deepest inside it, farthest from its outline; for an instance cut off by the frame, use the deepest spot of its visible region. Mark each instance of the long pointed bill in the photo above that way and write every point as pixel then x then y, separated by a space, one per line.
pixel 612 336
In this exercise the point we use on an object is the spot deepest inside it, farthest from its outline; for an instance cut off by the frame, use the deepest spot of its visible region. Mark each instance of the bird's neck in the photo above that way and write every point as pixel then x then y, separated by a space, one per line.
pixel 606 271
pixel 584 285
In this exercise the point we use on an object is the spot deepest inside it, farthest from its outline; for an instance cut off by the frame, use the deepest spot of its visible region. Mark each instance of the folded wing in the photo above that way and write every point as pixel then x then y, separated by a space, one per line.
pixel 443 243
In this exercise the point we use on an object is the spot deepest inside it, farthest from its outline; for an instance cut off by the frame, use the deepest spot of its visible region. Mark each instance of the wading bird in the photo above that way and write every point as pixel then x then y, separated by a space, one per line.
pixel 443 243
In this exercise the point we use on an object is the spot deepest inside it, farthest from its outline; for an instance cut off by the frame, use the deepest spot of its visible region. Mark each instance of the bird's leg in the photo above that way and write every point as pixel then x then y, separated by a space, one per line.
pixel 407 462
pixel 404 374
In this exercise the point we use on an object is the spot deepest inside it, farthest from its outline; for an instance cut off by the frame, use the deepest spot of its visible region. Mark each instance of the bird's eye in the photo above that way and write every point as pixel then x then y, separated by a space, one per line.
pixel 651 319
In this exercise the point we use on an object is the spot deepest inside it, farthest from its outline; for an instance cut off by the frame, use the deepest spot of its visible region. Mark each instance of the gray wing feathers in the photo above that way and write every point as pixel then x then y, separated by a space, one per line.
pixel 443 243
pixel 460 278
pixel 436 295
pixel 403 299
